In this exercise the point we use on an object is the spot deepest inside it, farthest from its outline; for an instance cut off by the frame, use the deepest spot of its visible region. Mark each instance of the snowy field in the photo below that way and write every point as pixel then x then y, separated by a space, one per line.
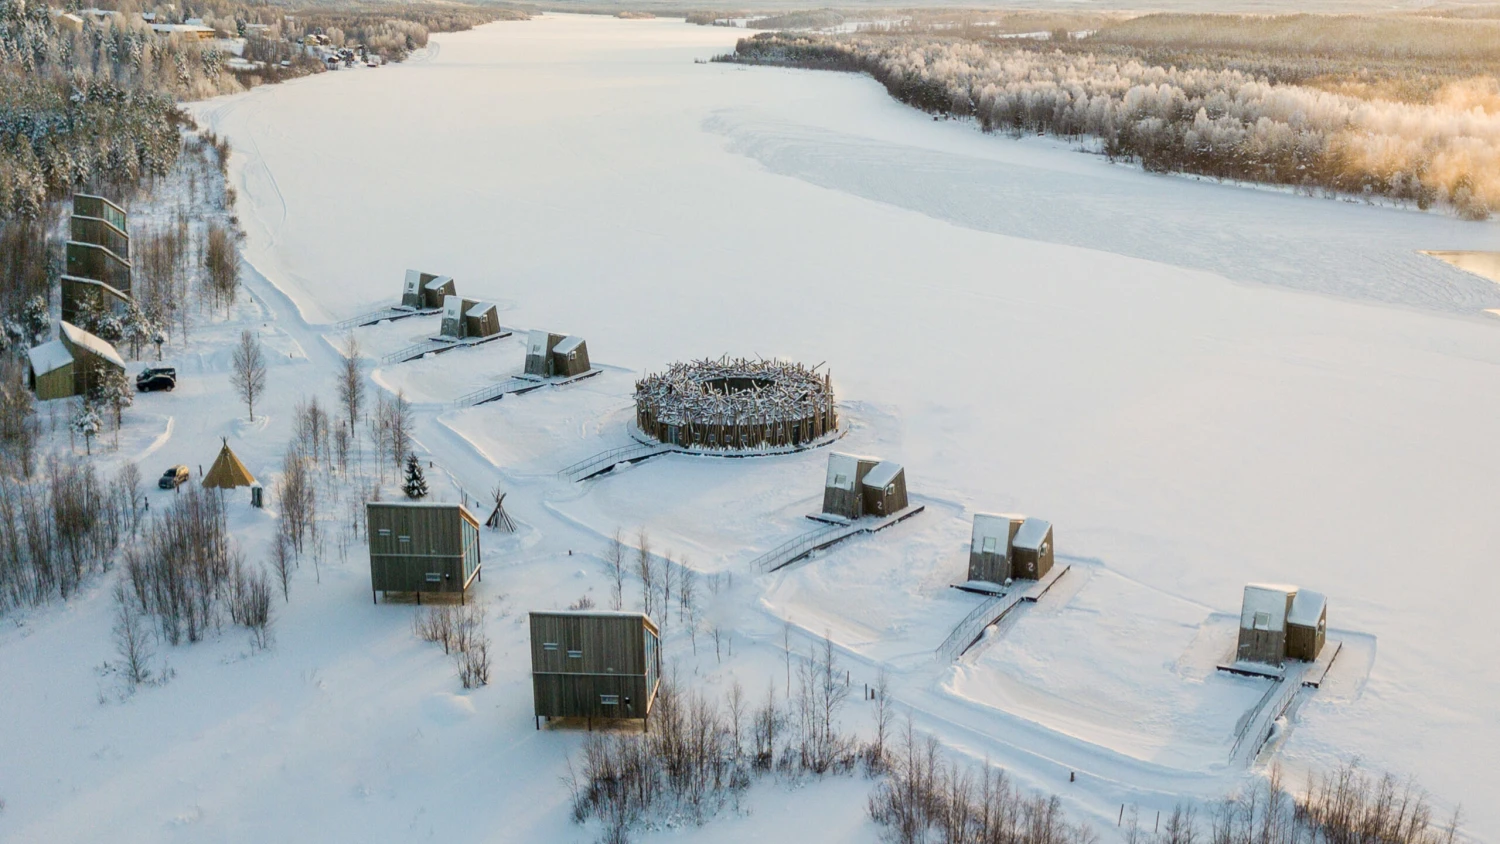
pixel 1200 385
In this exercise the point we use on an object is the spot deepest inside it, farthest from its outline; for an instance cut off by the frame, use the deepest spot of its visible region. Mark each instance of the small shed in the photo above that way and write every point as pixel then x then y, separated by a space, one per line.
pixel 426 291
pixel 539 346
pixel 1306 625
pixel 418 546
pixel 481 319
pixel 71 364
pixel 1263 623
pixel 884 489
pixel 227 472
pixel 90 260
pixel 1031 550
pixel 570 357
pixel 842 487
pixel 989 546
pixel 588 664
pixel 89 205
pixel 51 372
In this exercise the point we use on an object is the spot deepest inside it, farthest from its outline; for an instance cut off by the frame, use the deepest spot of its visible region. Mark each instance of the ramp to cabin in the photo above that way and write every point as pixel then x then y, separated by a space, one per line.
pixel 834 532
pixel 1256 725
pixel 393 312
pixel 967 633
pixel 417 350
pixel 602 462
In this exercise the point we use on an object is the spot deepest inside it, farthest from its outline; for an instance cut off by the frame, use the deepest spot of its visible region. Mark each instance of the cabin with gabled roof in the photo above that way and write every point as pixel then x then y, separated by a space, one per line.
pixel 71 364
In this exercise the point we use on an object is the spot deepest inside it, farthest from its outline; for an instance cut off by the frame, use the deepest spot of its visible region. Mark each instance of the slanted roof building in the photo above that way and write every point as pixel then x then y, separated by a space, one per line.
pixel 863 486
pixel 71 364
pixel 1263 623
pixel 551 355
pixel 1031 550
pixel 594 664
pixel 1306 625
pixel 989 546
pixel 426 291
pixel 465 318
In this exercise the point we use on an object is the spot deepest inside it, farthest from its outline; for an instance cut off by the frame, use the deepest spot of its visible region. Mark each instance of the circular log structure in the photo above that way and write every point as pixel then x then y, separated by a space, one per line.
pixel 736 405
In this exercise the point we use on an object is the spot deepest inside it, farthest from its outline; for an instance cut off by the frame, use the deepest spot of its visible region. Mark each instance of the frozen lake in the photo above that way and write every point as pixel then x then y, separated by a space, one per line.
pixel 1200 385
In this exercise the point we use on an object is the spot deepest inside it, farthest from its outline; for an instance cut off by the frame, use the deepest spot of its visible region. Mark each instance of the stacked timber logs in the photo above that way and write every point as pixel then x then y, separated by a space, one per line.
pixel 736 404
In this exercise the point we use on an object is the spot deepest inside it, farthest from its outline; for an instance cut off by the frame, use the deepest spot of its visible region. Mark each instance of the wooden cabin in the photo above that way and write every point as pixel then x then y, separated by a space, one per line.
pixel 71 364
pixel 570 357
pixel 884 489
pixel 426 291
pixel 539 346
pixel 421 547
pixel 1263 623
pixel 453 316
pixel 589 664
pixel 481 319
pixel 98 207
pixel 843 485
pixel 1306 625
pixel 90 260
pixel 1031 550
pixel 989 546
pixel 100 233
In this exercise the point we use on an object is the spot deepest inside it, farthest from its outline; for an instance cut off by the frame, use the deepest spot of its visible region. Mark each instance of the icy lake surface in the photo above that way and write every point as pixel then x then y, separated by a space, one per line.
pixel 1200 385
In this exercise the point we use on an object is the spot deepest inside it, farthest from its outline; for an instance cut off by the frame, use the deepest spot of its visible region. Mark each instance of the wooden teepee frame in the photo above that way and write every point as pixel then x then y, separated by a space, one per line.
pixel 499 519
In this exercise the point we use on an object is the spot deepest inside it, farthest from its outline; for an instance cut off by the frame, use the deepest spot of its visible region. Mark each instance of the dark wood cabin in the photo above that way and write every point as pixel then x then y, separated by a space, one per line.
pixel 587 664
pixel 989 546
pixel 90 260
pixel 100 233
pixel 1263 623
pixel 843 486
pixel 481 319
pixel 421 547
pixel 452 324
pixel 1031 550
pixel 1306 625
pixel 570 357
pixel 883 489
pixel 426 291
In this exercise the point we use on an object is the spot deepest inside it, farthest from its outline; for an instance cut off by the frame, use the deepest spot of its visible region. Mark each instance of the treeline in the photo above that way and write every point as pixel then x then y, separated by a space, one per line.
pixel 1221 123
pixel 392 35
pixel 820 19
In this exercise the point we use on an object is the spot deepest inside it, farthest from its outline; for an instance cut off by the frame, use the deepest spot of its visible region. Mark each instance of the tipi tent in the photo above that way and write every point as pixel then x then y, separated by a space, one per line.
pixel 227 472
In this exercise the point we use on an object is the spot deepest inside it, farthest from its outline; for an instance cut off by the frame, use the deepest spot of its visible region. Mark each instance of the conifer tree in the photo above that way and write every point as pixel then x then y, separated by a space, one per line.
pixel 416 484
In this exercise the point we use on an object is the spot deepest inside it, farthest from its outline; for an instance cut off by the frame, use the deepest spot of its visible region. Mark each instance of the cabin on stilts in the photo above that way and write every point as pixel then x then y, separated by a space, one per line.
pixel 592 664
pixel 419 547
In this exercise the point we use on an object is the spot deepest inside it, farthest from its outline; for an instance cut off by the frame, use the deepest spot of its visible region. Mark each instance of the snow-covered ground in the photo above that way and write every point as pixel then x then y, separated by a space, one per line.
pixel 1200 385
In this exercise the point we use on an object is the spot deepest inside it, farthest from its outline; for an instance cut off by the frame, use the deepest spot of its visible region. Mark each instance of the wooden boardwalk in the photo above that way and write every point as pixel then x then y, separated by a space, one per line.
pixel 800 547
pixel 967 633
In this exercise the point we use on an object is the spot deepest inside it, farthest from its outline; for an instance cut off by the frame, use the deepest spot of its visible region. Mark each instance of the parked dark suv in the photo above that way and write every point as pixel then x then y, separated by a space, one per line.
pixel 173 477
pixel 156 378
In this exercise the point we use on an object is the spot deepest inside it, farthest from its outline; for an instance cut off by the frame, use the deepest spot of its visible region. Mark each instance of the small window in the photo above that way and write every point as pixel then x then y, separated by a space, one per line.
pixel 434 577
pixel 572 654
pixel 989 544
pixel 406 539
pixel 609 700
pixel 572 356
pixel 840 480
pixel 890 489
pixel 549 646
pixel 384 532
pixel 1262 621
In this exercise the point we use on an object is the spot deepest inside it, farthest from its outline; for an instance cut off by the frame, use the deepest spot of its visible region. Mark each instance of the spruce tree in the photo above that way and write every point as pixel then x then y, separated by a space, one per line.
pixel 416 485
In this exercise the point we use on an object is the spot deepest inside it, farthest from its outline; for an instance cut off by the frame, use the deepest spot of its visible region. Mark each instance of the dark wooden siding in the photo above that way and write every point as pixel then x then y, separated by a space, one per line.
pixel 848 503
pixel 433 298
pixel 574 363
pixel 442 542
pixel 1032 564
pixel 576 658
pixel 484 324
pixel 1303 642
pixel 878 502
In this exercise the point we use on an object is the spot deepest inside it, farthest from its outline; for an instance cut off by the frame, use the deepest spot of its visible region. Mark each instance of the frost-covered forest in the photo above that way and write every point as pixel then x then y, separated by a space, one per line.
pixel 1403 108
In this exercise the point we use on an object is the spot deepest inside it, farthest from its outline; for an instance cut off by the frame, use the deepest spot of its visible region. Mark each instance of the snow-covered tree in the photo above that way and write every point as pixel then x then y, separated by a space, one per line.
pixel 416 484
pixel 86 423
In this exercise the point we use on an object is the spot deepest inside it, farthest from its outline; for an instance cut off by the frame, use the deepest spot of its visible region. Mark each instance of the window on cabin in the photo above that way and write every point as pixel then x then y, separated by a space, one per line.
pixel 1261 621
pixel 890 489
pixel 404 539
pixel 989 544
pixel 609 700
pixel 549 646
pixel 575 654
pixel 840 480
pixel 572 356
pixel 384 532
pixel 434 577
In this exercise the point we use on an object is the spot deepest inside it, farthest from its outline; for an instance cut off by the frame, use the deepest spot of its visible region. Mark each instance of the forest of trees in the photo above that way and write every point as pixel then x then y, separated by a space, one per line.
pixel 1439 144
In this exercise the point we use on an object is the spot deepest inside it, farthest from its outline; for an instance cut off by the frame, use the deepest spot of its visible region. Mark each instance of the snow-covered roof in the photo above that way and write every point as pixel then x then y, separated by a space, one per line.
pixel 995 525
pixel 1268 600
pixel 78 337
pixel 413 281
pixel 190 28
pixel 438 282
pixel 1307 608
pixel 883 474
pixel 49 357
pixel 568 344
pixel 841 465
pixel 434 505
pixel 1031 534
pixel 452 305
pixel 536 342
pixel 479 309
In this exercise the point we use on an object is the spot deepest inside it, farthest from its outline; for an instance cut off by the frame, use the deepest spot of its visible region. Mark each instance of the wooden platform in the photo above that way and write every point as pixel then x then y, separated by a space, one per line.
pixel 971 629
pixel 1311 674
pixel 1318 671
pixel 800 547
